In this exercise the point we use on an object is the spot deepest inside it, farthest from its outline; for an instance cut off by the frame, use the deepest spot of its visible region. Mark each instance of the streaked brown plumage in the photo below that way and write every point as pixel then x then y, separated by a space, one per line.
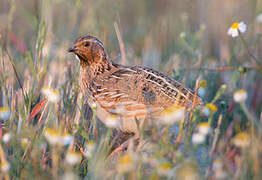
pixel 133 92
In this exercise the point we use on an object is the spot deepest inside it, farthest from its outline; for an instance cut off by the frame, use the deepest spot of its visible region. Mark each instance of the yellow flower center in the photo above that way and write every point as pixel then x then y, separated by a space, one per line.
pixel 46 88
pixel 4 109
pixel 243 136
pixel 204 124
pixel 55 92
pixel 235 25
pixel 166 166
pixel 51 132
pixel 125 159
pixel 24 142
pixel 73 153
pixel 241 91
pixel 212 107
pixel 113 116
pixel 203 83
pixel 171 110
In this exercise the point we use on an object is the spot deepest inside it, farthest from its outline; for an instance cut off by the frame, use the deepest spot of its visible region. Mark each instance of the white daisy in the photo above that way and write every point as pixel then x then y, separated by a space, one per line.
pixel 173 115
pixel 5 113
pixel 4 166
pixel 67 139
pixel 259 18
pixel 236 28
pixel 204 128
pixel 112 121
pixel 241 140
pixel 52 94
pixel 240 96
pixel 52 136
pixel 7 137
pixel 126 163
pixel 72 157
pixel 198 138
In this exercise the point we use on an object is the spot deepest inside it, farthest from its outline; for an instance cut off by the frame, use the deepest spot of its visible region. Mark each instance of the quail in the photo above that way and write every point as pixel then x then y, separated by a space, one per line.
pixel 133 93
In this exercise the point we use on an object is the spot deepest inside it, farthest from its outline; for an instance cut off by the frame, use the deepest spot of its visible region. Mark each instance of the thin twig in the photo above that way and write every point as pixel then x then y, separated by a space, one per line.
pixel 248 50
pixel 119 149
pixel 16 74
pixel 217 131
pixel 121 44
pixel 196 91
pixel 225 68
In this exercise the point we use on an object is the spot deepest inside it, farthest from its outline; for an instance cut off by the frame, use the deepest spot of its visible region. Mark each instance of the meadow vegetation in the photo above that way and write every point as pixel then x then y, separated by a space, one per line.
pixel 48 131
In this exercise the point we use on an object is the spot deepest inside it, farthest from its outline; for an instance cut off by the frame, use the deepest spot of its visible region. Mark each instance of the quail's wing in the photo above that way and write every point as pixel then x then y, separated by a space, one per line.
pixel 169 90
pixel 119 93
pixel 137 91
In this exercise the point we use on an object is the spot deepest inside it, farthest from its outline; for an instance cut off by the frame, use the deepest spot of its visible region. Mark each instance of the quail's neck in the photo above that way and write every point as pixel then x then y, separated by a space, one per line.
pixel 99 67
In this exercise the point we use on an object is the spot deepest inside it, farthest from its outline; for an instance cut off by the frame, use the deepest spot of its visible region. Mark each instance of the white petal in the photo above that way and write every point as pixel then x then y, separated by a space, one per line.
pixel 234 33
pixel 229 32
pixel 201 92
pixel 242 27
pixel 198 138
pixel 259 18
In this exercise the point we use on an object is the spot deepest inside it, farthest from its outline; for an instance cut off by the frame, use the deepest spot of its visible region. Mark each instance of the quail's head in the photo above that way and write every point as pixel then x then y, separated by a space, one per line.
pixel 88 49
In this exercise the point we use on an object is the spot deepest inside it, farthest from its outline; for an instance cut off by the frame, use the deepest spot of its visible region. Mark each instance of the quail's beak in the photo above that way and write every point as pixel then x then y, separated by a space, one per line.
pixel 71 49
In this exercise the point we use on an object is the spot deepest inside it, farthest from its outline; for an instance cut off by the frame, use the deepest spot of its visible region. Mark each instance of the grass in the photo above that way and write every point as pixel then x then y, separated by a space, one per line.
pixel 48 131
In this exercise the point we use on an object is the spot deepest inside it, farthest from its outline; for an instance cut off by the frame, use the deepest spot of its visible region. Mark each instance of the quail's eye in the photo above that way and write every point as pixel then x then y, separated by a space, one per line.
pixel 87 44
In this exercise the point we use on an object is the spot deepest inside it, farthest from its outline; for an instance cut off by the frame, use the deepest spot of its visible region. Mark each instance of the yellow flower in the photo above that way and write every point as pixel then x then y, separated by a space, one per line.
pixel 209 108
pixel 126 163
pixel 236 28
pixel 4 166
pixel 165 168
pixel 172 115
pixel 203 83
pixel 212 107
pixel 51 94
pixel 240 96
pixel 24 142
pixel 55 137
pixel 241 140
pixel 4 113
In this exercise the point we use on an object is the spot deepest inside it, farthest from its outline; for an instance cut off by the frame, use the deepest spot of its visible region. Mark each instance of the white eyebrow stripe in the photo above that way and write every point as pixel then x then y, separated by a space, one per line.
pixel 98 42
